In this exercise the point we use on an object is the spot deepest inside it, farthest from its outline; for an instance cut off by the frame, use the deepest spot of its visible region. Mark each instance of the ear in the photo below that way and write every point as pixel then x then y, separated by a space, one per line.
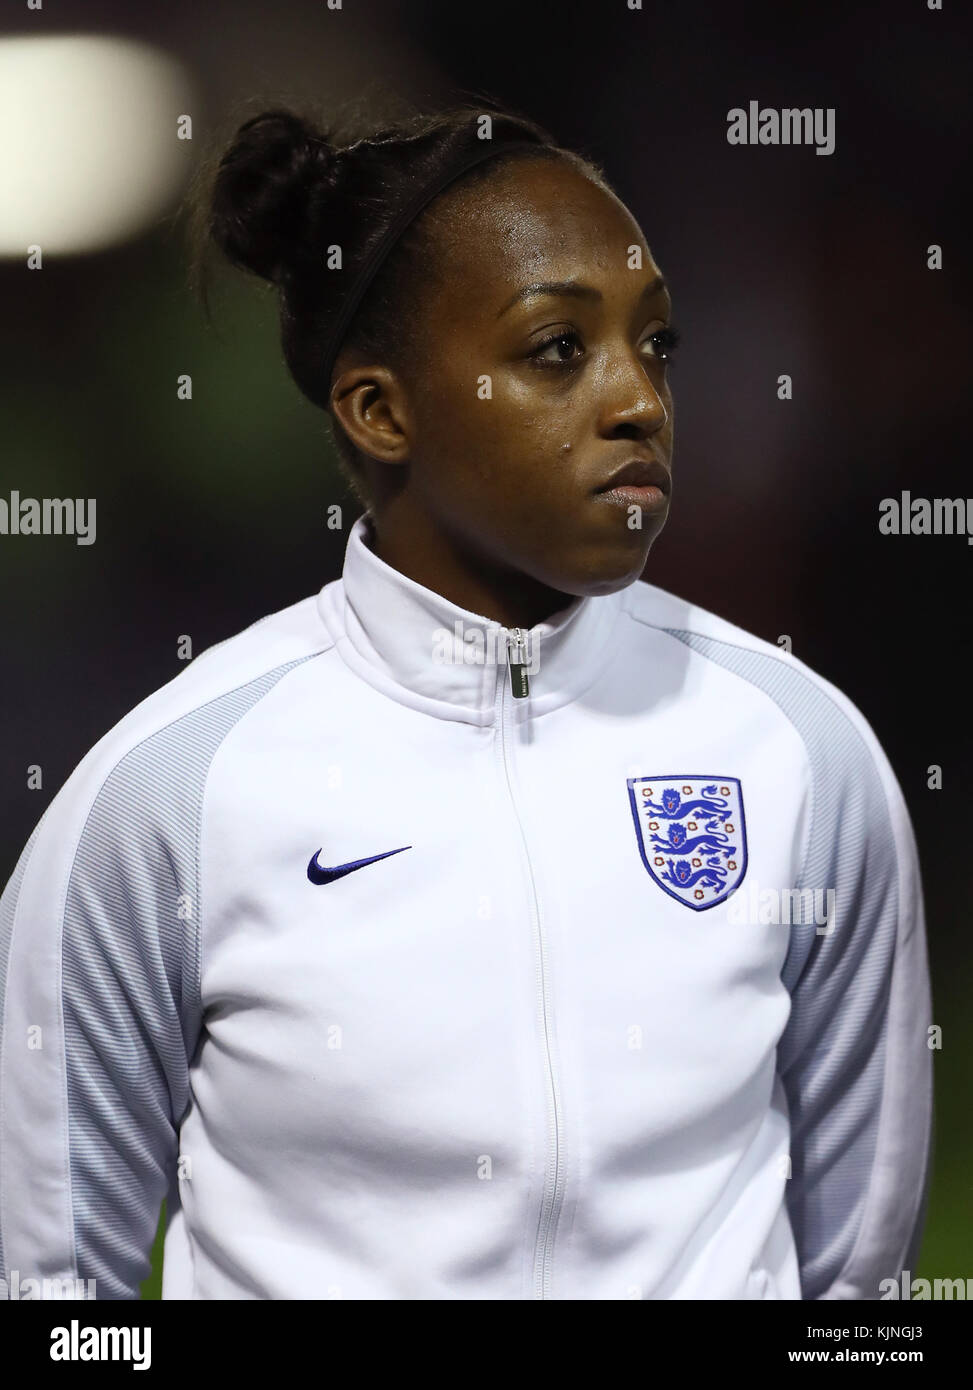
pixel 371 404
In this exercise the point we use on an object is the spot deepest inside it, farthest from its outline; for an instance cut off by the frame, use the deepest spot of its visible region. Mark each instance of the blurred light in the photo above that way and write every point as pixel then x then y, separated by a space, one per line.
pixel 89 151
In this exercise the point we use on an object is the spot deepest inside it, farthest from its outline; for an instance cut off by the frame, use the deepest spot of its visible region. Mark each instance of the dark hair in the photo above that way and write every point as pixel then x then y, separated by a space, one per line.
pixel 284 191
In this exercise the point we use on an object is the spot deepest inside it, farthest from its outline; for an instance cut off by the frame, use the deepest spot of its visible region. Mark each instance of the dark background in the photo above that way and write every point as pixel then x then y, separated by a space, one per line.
pixel 211 513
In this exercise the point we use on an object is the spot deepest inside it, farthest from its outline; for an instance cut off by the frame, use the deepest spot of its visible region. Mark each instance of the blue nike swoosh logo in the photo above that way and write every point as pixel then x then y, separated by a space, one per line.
pixel 317 873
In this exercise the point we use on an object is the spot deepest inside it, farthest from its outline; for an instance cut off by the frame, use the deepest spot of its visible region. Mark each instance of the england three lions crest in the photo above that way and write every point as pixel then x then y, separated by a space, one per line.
pixel 692 835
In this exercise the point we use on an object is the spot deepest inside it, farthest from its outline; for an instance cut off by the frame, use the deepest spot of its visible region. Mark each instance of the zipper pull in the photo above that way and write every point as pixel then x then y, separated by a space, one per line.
pixel 517 662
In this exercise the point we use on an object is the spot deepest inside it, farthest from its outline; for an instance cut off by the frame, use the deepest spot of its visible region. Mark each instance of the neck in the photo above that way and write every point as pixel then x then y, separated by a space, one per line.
pixel 456 571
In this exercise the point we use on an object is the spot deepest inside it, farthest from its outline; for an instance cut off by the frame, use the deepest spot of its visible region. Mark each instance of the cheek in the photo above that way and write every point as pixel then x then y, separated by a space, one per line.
pixel 474 415
pixel 513 449
pixel 510 439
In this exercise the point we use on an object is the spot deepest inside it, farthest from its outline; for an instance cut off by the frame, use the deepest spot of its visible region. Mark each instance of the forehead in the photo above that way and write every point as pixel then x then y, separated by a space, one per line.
pixel 528 220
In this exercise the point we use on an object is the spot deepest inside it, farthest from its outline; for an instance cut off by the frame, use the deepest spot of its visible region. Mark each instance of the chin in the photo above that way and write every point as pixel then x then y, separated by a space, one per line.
pixel 611 585
pixel 610 569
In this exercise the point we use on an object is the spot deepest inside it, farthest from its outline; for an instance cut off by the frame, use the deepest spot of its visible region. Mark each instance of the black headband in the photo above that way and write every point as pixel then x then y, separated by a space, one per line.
pixel 395 229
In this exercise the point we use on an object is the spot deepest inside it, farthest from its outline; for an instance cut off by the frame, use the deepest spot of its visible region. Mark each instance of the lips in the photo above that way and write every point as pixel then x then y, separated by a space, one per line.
pixel 639 473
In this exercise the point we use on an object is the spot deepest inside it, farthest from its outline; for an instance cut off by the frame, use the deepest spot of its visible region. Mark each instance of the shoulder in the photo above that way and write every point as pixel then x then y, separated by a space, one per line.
pixel 658 608
pixel 142 782
pixel 841 743
pixel 217 687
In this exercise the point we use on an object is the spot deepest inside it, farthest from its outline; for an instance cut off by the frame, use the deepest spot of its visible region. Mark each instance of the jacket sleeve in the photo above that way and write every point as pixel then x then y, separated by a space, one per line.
pixel 97 1014
pixel 855 1058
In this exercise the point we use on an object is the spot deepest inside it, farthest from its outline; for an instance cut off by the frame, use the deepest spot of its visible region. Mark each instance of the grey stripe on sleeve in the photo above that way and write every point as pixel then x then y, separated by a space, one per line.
pixel 832 1055
pixel 130 985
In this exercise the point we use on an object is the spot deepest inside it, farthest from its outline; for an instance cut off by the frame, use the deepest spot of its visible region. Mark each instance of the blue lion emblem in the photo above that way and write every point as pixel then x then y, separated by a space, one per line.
pixel 691 835
pixel 673 807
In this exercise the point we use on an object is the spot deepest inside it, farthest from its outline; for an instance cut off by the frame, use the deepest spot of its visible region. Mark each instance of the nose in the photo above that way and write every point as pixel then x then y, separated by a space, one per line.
pixel 632 406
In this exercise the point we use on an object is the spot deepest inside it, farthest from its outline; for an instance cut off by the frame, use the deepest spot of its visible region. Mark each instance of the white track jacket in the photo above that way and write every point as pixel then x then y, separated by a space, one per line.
pixel 407 957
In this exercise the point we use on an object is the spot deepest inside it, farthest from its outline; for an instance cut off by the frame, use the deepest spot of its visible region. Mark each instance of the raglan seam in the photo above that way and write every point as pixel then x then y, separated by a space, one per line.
pixel 299 661
pixel 882 1122
pixel 64 891
pixel 198 935
pixel 161 729
pixel 196 997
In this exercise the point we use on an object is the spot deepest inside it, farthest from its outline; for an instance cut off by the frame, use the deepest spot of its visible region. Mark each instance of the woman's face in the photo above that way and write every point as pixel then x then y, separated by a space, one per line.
pixel 541 373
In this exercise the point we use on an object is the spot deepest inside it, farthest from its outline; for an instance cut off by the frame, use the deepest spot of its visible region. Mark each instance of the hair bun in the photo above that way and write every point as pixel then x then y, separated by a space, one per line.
pixel 262 190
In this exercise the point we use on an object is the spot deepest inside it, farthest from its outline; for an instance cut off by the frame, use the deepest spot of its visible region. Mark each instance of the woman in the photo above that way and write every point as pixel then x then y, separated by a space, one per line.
pixel 487 925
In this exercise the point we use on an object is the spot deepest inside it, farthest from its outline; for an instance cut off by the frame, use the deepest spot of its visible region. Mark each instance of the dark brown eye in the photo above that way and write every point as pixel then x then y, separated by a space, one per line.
pixel 665 341
pixel 560 344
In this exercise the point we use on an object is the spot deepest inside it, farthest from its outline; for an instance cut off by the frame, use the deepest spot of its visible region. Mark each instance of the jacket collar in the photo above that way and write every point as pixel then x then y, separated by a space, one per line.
pixel 426 652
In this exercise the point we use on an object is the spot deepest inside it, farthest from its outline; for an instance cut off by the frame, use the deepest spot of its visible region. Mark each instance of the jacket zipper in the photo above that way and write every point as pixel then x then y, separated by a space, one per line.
pixel 551 1201
pixel 517 663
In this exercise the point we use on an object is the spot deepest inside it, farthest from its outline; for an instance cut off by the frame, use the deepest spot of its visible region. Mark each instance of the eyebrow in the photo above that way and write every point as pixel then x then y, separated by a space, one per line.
pixel 575 290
